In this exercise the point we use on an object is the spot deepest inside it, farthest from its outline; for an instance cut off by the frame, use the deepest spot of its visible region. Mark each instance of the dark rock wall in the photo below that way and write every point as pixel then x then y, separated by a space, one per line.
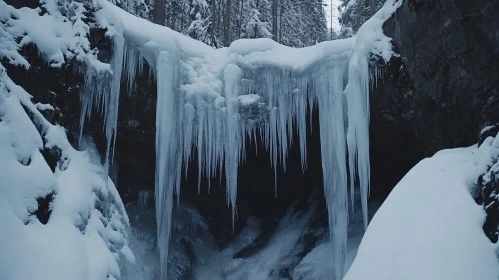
pixel 450 55
pixel 441 90
pixel 487 193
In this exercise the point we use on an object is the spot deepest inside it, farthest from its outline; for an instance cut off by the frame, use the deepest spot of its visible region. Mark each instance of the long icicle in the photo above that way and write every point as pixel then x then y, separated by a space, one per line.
pixel 166 152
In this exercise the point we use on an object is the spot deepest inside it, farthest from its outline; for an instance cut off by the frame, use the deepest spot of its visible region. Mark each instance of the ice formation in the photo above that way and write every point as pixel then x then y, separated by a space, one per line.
pixel 257 90
pixel 102 89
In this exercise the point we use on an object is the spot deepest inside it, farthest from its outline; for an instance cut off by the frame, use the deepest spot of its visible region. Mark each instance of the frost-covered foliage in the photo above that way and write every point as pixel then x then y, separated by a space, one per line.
pixel 58 222
pixel 140 8
pixel 202 26
pixel 59 30
pixel 302 23
pixel 220 22
pixel 434 194
pixel 256 20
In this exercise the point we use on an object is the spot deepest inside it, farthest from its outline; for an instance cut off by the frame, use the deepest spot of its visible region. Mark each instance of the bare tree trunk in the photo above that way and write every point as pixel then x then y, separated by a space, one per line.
pixel 240 19
pixel 172 16
pixel 227 22
pixel 331 20
pixel 214 20
pixel 159 13
pixel 281 15
pixel 220 14
pixel 274 19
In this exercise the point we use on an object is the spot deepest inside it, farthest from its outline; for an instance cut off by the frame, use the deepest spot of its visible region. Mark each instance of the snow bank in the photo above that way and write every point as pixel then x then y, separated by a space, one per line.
pixel 401 241
pixel 81 233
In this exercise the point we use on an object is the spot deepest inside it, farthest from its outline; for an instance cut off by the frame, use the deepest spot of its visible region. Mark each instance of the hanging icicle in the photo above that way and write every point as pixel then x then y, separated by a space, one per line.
pixel 220 127
pixel 168 169
pixel 102 90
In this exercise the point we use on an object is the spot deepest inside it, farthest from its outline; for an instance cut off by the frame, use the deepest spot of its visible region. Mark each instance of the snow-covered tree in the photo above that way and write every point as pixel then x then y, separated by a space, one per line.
pixel 256 20
pixel 201 26
pixel 140 8
pixel 219 22
pixel 290 23
pixel 354 13
pixel 302 23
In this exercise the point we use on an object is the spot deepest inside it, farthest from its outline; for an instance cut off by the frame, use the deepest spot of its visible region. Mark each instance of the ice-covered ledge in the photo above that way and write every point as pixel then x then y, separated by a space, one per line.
pixel 254 90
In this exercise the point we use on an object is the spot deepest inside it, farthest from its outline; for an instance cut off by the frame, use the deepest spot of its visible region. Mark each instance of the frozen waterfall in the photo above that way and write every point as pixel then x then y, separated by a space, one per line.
pixel 267 104
pixel 218 100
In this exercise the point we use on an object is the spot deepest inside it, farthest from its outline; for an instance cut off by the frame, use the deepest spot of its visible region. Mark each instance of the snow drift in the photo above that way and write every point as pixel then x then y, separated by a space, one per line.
pixel 60 214
pixel 430 227
pixel 81 234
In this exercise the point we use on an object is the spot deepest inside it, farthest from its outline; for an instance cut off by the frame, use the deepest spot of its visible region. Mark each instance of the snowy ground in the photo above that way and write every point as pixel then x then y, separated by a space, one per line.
pixel 430 227
pixel 80 234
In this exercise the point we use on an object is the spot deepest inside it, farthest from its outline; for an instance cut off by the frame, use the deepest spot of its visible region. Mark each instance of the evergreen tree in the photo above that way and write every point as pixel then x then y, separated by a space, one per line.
pixel 201 26
pixel 256 20
pixel 295 23
pixel 354 13
pixel 291 32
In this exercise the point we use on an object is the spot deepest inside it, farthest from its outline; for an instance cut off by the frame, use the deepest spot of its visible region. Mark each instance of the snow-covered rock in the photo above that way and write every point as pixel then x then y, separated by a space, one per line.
pixel 430 227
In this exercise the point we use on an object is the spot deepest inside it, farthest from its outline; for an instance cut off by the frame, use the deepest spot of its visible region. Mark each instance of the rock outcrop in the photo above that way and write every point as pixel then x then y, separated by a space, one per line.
pixel 487 193
pixel 440 90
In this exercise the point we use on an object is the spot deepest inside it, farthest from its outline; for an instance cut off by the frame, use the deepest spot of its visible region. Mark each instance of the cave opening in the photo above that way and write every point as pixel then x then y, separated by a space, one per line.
pixel 258 196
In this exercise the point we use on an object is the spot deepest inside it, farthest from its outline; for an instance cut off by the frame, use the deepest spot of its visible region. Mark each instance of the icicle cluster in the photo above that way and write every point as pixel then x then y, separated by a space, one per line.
pixel 264 104
pixel 102 89
pixel 218 100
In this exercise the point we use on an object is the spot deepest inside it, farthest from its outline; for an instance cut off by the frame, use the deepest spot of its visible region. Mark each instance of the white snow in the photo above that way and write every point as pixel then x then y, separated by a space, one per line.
pixel 44 107
pixel 85 236
pixel 485 129
pixel 59 38
pixel 248 99
pixel 430 227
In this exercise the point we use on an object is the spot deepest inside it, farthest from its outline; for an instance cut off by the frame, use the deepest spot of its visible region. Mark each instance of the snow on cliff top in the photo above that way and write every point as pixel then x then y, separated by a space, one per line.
pixel 147 35
pixel 430 227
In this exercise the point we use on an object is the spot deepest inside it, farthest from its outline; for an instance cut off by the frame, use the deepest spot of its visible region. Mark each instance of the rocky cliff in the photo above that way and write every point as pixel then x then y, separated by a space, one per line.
pixel 440 90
